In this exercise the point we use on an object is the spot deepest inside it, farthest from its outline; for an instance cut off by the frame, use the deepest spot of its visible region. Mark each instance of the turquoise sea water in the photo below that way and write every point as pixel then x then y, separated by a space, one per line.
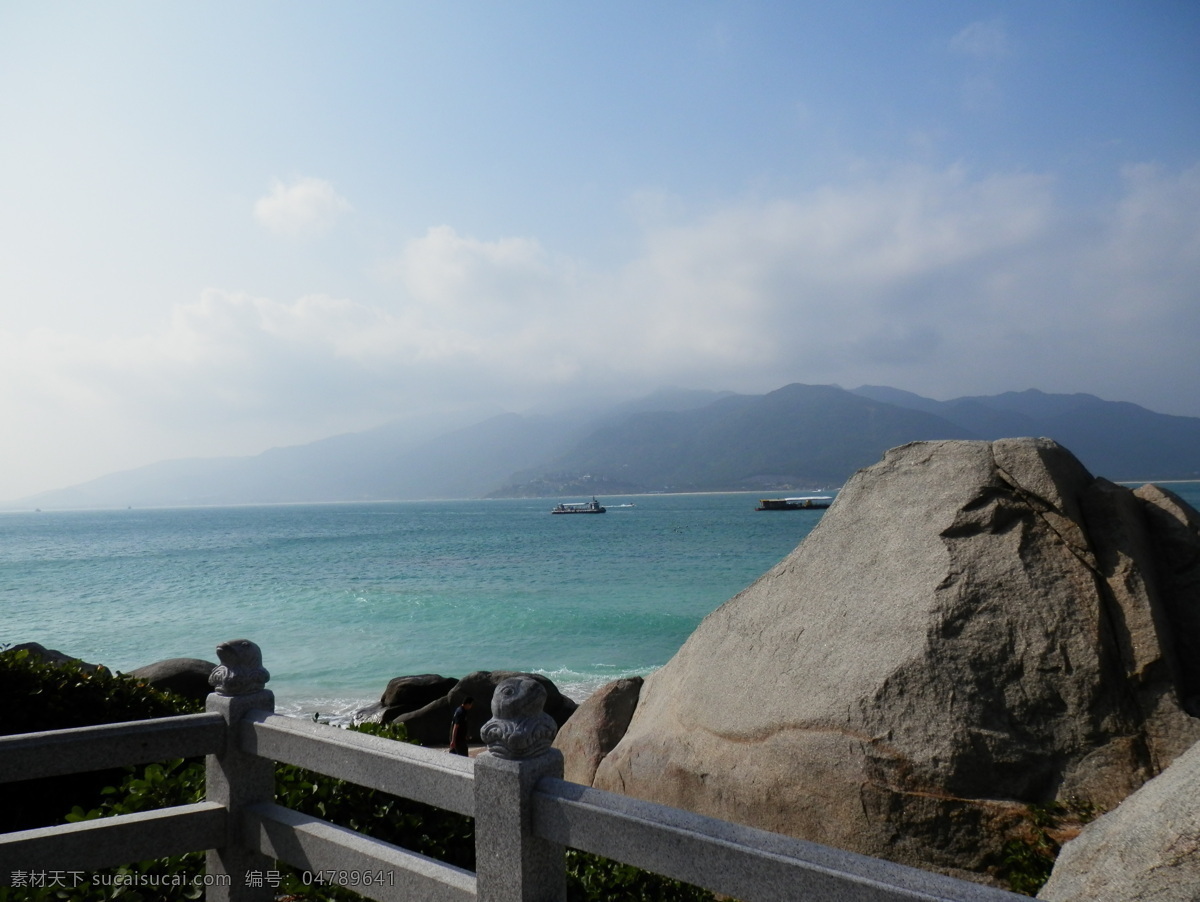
pixel 344 597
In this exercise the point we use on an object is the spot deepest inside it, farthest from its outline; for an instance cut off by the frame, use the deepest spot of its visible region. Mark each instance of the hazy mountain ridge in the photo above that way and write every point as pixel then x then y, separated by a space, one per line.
pixel 797 437
pixel 1114 439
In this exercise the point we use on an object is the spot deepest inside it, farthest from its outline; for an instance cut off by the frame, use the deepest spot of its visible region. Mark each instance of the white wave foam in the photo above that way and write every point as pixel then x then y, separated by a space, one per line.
pixel 578 686
pixel 336 711
pixel 340 710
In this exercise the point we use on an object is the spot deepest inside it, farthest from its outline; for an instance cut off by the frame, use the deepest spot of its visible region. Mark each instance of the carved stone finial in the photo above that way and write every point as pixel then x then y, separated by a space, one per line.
pixel 519 728
pixel 240 671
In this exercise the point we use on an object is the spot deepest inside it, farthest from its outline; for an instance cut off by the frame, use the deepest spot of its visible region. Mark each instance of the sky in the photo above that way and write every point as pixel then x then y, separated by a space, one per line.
pixel 226 227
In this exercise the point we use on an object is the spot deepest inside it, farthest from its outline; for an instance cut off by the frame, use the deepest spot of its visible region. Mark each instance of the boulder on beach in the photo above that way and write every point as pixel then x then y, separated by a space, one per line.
pixel 972 628
pixel 595 729
pixel 1146 850
pixel 429 723
pixel 413 692
pixel 184 676
pixel 404 695
pixel 52 655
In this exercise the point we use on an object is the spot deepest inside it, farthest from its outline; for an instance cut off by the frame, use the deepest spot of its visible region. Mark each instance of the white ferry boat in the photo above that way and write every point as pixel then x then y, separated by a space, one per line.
pixel 579 507
pixel 803 503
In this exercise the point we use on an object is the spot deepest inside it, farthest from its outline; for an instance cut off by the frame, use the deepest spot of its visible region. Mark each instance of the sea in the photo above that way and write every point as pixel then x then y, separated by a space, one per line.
pixel 343 597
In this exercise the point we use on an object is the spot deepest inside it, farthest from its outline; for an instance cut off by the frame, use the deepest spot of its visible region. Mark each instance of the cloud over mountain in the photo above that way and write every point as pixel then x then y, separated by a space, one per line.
pixel 895 278
pixel 307 206
pixel 369 213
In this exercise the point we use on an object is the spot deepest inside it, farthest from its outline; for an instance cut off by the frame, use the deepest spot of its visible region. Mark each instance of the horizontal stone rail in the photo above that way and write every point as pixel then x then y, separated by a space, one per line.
pixel 108 842
pixel 28 756
pixel 111 841
pixel 525 814
pixel 410 771
pixel 380 871
pixel 730 859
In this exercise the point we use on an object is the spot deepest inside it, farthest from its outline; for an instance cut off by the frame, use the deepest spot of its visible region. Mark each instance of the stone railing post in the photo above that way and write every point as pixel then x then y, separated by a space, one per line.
pixel 235 779
pixel 511 864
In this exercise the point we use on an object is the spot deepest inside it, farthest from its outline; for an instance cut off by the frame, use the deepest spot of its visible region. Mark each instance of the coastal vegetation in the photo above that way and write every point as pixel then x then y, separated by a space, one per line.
pixel 1029 858
pixel 43 695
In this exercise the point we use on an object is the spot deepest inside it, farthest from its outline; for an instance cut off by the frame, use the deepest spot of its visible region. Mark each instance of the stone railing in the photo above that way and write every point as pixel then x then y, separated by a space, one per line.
pixel 525 814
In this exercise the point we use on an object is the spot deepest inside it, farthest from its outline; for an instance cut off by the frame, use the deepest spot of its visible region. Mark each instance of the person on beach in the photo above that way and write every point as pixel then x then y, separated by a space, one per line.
pixel 458 727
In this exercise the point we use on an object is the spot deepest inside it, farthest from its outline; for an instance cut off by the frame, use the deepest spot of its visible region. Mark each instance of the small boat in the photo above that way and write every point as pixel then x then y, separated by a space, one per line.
pixel 579 507
pixel 803 503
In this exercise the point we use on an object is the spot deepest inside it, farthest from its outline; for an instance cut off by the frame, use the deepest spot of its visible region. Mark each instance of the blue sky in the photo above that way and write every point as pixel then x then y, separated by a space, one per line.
pixel 227 226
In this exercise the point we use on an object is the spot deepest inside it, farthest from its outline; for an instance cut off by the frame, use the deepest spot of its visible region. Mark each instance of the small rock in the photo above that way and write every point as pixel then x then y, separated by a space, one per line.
pixel 595 729
pixel 52 655
pixel 186 676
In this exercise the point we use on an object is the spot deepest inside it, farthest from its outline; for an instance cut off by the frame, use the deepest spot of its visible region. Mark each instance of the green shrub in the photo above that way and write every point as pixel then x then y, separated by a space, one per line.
pixel 45 696
pixel 591 878
pixel 36 695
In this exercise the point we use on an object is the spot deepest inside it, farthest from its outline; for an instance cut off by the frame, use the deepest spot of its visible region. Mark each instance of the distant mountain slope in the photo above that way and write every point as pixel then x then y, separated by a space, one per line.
pixel 1114 439
pixel 382 464
pixel 669 399
pixel 798 436
pixel 404 460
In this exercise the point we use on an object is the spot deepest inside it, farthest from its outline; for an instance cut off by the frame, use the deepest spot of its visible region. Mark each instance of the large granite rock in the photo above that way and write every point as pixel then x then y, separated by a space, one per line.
pixel 972 627
pixel 1174 526
pixel 1147 850
pixel 595 729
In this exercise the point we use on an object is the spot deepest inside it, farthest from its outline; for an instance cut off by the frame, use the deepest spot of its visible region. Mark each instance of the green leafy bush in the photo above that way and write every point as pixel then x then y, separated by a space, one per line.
pixel 591 878
pixel 37 695
pixel 45 696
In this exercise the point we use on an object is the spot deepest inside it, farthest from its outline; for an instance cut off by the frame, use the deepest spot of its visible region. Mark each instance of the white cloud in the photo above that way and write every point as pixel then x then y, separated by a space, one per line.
pixel 984 40
pixel 808 285
pixel 456 279
pixel 911 275
pixel 984 44
pixel 305 207
pixel 936 281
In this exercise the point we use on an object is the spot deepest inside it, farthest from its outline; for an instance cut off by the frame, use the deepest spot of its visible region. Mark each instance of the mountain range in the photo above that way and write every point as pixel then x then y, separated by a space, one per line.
pixel 794 438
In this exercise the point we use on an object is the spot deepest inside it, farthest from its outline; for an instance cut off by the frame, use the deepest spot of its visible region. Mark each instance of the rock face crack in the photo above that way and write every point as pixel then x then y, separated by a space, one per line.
pixel 1038 506
pixel 1175 532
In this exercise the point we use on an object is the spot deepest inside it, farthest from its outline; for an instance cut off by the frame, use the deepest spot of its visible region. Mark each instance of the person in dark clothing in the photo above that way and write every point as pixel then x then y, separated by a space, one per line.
pixel 458 727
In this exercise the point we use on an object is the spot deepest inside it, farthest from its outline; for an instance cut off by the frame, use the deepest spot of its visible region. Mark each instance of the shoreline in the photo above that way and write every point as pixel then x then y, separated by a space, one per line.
pixel 339 709
pixel 241 505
